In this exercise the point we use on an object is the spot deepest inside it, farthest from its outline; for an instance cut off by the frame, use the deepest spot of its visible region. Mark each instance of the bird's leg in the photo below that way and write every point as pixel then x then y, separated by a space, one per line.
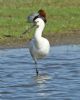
pixel 35 60
pixel 36 65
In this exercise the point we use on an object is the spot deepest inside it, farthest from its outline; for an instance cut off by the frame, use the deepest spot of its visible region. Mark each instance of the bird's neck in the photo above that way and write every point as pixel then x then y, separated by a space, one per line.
pixel 38 32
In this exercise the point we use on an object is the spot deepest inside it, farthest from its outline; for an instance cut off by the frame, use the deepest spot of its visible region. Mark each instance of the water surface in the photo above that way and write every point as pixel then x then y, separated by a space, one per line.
pixel 59 77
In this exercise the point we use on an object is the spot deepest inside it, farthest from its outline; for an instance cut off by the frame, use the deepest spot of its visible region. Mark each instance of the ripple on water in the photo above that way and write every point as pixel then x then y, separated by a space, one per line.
pixel 59 77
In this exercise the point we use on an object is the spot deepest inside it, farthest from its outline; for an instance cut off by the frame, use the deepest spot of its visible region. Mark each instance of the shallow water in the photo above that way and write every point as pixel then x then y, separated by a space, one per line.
pixel 59 75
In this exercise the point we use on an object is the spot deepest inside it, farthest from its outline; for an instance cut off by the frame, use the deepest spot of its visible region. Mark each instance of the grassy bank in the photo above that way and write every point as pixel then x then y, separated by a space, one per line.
pixel 62 16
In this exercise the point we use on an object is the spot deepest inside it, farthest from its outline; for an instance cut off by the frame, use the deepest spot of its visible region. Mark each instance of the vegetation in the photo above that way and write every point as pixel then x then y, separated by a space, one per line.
pixel 62 15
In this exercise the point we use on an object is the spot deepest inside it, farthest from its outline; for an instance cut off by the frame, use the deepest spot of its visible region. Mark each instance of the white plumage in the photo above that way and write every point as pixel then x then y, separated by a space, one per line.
pixel 39 46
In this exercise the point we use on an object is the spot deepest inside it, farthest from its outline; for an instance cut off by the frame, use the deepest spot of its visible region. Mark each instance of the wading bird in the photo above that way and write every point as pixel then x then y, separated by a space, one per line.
pixel 39 46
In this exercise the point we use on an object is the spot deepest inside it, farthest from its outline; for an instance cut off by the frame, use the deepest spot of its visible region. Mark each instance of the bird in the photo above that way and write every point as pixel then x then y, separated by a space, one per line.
pixel 39 46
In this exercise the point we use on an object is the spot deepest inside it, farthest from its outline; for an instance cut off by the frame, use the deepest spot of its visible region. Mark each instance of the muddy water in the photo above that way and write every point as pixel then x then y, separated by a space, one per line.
pixel 59 74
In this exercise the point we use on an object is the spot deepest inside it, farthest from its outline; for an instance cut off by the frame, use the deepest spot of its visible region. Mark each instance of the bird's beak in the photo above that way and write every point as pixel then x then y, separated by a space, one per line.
pixel 28 30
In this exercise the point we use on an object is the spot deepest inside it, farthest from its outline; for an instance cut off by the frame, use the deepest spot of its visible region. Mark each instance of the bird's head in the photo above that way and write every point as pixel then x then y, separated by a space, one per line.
pixel 40 14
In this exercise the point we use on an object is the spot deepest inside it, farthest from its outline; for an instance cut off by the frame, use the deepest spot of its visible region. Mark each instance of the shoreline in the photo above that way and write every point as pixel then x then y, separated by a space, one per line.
pixel 67 38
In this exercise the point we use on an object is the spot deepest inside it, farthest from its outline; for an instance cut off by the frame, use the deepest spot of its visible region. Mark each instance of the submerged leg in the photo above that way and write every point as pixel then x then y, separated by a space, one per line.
pixel 36 65
pixel 35 60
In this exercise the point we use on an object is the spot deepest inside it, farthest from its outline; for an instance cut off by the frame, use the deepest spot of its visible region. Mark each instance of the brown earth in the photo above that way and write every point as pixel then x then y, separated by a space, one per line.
pixel 64 38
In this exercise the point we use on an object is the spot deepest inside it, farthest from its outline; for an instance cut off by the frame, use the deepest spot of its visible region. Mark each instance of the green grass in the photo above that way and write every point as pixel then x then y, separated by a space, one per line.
pixel 62 15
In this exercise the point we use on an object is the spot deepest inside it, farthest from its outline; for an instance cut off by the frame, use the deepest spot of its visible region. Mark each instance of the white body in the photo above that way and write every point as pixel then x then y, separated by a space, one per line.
pixel 39 46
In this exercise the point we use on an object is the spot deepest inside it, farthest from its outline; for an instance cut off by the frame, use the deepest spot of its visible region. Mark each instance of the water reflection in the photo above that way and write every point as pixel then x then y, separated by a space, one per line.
pixel 59 77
